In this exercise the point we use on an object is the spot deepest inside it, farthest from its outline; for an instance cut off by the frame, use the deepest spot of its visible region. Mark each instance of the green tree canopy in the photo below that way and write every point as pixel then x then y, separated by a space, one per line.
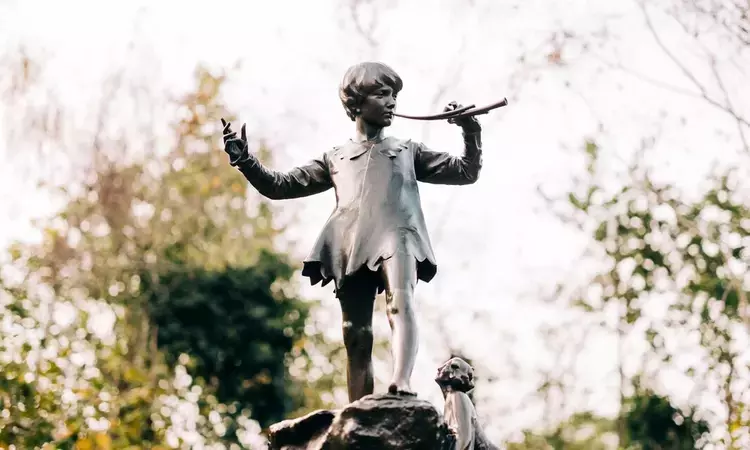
pixel 652 422
pixel 156 310
pixel 674 269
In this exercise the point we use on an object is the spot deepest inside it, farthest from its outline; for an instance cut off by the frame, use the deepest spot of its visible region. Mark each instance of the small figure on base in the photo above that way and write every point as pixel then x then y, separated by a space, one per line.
pixel 456 380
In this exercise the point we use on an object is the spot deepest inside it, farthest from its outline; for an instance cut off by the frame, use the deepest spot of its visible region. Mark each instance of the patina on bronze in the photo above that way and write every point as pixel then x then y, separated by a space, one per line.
pixel 376 238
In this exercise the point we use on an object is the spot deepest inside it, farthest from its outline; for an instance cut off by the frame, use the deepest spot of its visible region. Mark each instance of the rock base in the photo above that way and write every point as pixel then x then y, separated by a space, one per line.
pixel 375 422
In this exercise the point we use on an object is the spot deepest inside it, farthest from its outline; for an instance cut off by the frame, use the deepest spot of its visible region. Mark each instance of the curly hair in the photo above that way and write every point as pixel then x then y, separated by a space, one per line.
pixel 362 79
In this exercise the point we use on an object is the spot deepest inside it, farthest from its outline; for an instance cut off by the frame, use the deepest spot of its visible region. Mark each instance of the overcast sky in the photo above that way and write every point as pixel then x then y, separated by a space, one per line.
pixel 495 243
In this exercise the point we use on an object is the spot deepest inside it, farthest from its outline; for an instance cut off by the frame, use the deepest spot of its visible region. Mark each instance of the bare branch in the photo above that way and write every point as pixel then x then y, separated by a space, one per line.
pixel 727 108
pixel 685 71
pixel 739 29
pixel 649 80
pixel 730 107
pixel 368 33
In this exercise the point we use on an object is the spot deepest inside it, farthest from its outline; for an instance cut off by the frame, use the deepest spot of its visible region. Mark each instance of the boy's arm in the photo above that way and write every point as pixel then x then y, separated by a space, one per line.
pixel 444 168
pixel 311 178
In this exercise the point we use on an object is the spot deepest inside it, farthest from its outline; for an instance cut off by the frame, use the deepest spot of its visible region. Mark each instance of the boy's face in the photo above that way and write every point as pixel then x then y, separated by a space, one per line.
pixel 378 107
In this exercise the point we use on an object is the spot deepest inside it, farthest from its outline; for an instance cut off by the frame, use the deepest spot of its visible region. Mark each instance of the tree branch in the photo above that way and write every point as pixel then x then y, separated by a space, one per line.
pixel 730 107
pixel 726 107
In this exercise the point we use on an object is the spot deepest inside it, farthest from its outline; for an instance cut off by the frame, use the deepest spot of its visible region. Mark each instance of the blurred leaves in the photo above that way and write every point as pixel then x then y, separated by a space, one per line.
pixel 236 331
pixel 155 312
pixel 652 423
pixel 674 271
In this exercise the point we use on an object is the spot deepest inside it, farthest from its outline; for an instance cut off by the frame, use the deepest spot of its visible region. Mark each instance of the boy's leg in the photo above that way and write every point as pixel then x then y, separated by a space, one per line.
pixel 400 272
pixel 357 302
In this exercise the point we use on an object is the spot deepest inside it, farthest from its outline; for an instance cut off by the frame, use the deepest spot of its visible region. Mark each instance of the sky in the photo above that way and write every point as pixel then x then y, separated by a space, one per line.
pixel 497 244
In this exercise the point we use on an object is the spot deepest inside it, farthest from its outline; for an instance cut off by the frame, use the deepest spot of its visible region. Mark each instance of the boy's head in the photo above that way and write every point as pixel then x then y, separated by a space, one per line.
pixel 363 80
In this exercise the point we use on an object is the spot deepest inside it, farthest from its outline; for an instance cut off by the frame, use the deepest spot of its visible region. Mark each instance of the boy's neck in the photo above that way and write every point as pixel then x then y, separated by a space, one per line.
pixel 366 131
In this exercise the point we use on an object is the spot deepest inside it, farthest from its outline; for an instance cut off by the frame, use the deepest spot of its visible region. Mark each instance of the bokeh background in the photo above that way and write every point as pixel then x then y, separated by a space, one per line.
pixel 596 276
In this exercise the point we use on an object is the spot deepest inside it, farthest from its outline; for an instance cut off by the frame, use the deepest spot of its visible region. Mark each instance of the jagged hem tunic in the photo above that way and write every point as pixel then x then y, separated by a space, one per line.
pixel 378 209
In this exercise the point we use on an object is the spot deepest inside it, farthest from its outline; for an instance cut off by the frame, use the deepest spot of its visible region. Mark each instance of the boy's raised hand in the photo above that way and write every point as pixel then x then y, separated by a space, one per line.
pixel 469 124
pixel 235 147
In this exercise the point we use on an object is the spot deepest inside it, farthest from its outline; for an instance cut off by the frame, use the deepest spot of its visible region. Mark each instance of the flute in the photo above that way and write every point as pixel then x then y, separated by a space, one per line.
pixel 465 111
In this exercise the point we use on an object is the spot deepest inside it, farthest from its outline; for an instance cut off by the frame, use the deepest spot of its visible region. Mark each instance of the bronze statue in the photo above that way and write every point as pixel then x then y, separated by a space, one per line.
pixel 376 238
pixel 456 380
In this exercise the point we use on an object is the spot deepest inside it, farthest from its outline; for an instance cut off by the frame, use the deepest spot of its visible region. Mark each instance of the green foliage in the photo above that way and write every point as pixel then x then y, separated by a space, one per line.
pixel 583 431
pixel 56 385
pixel 686 258
pixel 236 330
pixel 651 423
pixel 155 295
pixel 28 412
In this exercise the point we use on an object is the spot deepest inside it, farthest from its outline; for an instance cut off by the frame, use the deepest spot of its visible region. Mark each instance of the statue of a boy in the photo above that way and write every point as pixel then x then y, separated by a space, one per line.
pixel 376 238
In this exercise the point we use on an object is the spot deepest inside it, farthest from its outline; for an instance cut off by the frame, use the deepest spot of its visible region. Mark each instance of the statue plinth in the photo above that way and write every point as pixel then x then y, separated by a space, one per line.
pixel 381 421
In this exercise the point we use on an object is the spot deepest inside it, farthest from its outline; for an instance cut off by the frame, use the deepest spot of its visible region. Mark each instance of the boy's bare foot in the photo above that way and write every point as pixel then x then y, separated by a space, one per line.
pixel 401 389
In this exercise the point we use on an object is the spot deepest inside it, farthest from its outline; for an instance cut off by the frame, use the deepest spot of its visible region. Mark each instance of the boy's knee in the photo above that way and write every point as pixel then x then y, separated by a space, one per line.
pixel 357 336
pixel 400 301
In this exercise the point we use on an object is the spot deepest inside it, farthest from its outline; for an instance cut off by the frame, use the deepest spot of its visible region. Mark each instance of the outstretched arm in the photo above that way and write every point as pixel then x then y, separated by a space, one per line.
pixel 444 168
pixel 309 179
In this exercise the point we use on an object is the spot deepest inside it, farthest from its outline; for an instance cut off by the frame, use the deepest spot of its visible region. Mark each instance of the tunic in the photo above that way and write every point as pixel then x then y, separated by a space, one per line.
pixel 378 209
